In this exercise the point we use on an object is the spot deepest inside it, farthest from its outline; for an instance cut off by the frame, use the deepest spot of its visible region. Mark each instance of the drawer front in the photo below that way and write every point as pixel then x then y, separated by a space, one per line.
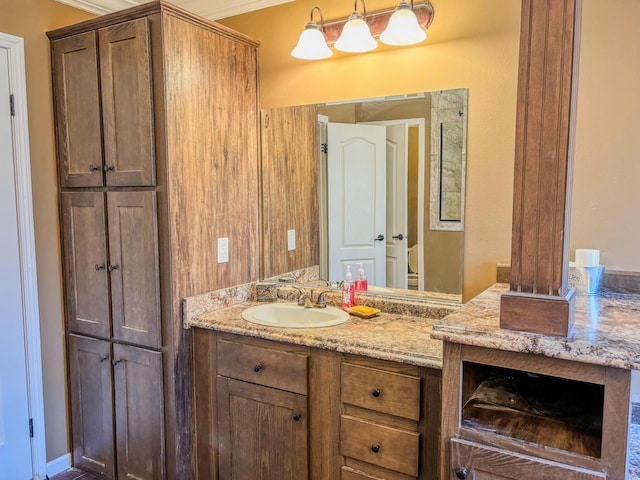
pixel 382 391
pixel 386 447
pixel 263 366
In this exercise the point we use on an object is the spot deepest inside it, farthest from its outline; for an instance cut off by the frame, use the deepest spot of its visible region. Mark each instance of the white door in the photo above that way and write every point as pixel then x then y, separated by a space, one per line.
pixel 356 200
pixel 397 154
pixel 15 444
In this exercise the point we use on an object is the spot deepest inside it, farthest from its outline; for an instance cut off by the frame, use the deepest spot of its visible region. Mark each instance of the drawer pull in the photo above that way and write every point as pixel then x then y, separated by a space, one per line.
pixel 375 448
pixel 257 368
pixel 376 392
pixel 297 417
pixel 461 473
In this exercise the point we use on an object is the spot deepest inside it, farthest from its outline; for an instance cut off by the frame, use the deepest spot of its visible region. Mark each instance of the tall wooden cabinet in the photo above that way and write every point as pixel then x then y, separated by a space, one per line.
pixel 157 143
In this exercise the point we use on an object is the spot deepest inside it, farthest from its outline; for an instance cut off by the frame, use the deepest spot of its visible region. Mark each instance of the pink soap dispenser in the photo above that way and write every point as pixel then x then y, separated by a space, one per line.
pixel 361 282
pixel 348 294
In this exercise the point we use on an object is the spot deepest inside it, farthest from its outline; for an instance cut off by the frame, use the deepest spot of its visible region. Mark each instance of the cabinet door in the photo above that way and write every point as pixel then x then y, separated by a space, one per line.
pixel 139 413
pixel 127 110
pixel 133 267
pixel 479 462
pixel 90 396
pixel 85 258
pixel 77 110
pixel 262 432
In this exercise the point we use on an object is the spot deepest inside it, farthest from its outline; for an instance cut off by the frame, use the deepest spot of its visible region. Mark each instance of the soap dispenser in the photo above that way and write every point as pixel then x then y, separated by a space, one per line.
pixel 348 295
pixel 361 281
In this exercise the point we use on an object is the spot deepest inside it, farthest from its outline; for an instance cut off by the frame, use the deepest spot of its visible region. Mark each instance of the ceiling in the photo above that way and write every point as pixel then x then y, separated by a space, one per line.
pixel 211 9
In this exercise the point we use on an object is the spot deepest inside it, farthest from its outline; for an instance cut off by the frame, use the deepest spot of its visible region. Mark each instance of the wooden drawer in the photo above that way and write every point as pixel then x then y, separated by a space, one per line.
pixel 386 447
pixel 482 461
pixel 386 392
pixel 263 366
pixel 347 473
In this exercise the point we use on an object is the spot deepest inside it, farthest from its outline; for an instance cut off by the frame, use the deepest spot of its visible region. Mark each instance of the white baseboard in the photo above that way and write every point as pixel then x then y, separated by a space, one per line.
pixel 58 465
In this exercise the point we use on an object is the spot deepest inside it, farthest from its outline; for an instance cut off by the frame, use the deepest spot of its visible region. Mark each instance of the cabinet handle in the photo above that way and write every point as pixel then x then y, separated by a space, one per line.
pixel 94 168
pixel 461 473
pixel 99 267
pixel 376 392
pixel 375 448
pixel 297 417
pixel 257 368
pixel 115 361
pixel 102 358
pixel 113 267
pixel 108 168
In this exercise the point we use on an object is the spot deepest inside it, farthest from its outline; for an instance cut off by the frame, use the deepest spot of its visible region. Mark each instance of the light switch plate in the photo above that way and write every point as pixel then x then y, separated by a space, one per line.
pixel 223 250
pixel 291 240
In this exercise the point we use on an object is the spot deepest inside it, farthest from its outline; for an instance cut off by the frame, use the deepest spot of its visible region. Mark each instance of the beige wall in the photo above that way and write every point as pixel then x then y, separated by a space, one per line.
pixel 470 44
pixel 30 19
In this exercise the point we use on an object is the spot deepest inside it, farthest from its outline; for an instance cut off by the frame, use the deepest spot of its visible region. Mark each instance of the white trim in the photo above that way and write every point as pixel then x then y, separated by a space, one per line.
pixel 18 87
pixel 59 465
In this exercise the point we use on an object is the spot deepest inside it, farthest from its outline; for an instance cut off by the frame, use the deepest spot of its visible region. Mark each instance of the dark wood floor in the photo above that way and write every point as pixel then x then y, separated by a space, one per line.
pixel 73 474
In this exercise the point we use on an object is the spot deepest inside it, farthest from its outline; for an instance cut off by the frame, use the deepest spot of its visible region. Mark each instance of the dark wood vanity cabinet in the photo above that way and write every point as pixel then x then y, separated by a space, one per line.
pixel 147 186
pixel 277 411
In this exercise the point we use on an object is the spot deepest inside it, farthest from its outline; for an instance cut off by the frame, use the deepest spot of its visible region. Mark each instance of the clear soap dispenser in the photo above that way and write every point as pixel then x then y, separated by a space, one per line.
pixel 361 281
pixel 348 294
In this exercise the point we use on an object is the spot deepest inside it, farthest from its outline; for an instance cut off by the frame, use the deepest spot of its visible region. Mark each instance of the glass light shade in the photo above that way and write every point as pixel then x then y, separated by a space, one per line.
pixel 356 36
pixel 311 44
pixel 403 28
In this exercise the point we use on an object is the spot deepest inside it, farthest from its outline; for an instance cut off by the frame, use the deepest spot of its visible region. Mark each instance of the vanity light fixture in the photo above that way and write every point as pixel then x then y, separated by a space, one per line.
pixel 356 36
pixel 312 44
pixel 403 27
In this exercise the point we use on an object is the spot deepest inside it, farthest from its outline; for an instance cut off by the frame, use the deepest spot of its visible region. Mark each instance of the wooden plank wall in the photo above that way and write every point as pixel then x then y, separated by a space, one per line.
pixel 289 188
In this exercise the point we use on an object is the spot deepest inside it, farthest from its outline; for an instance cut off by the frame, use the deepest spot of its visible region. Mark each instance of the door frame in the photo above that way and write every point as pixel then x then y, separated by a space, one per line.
pixel 26 241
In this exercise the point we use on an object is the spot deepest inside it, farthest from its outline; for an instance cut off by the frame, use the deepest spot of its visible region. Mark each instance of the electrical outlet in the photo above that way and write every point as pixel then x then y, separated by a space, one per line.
pixel 223 250
pixel 291 240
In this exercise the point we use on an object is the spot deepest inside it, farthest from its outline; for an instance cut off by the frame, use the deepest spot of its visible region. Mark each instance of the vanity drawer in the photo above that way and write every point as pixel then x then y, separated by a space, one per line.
pixel 264 366
pixel 386 447
pixel 380 390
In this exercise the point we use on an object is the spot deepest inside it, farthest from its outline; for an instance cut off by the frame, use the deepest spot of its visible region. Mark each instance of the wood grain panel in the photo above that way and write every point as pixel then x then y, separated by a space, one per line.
pixel 545 136
pixel 495 464
pixel 90 394
pixel 139 413
pixel 127 104
pixel 77 110
pixel 84 250
pixel 258 435
pixel 133 267
pixel 430 428
pixel 289 188
pixel 380 390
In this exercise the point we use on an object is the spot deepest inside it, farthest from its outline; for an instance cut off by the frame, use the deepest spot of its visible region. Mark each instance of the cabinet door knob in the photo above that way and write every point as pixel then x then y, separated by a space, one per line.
pixel 257 368
pixel 115 361
pixel 99 267
pixel 376 392
pixel 102 358
pixel 113 267
pixel 108 168
pixel 297 417
pixel 461 473
pixel 375 448
pixel 94 168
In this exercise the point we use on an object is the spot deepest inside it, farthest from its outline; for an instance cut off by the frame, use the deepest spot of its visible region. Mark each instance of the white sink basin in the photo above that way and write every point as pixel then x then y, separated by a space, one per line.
pixel 292 315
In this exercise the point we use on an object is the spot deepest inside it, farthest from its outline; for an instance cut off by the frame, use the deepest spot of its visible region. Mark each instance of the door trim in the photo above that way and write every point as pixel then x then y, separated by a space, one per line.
pixel 17 85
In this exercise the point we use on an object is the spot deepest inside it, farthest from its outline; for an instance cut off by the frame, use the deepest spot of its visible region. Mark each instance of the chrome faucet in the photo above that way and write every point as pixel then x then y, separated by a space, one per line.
pixel 307 300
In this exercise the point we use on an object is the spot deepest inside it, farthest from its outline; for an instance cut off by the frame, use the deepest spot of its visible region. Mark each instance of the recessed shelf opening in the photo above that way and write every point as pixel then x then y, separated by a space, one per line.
pixel 545 410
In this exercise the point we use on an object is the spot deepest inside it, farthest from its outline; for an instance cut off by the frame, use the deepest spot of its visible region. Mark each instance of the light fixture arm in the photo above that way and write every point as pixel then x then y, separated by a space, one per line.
pixel 315 7
pixel 364 9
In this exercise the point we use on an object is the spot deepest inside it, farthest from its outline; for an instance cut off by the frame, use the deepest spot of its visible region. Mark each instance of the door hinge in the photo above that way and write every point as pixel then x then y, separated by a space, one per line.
pixel 12 105
pixel 324 148
pixel 31 427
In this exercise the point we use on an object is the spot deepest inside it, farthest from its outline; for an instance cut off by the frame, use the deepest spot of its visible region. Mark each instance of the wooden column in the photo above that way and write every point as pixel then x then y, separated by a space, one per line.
pixel 539 299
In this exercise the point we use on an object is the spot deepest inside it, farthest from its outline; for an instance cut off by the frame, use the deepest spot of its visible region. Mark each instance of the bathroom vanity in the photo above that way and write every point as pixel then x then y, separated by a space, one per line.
pixel 356 401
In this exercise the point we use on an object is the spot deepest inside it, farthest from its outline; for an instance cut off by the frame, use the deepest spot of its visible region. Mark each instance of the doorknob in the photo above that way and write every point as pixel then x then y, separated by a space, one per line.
pixel 379 238
pixel 398 237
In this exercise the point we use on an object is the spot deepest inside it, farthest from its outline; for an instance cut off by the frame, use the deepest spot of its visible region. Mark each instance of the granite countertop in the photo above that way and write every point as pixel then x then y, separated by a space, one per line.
pixel 606 330
pixel 388 336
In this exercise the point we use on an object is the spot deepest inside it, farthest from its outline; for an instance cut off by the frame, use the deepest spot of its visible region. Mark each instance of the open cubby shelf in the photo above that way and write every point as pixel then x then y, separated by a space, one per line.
pixel 544 410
